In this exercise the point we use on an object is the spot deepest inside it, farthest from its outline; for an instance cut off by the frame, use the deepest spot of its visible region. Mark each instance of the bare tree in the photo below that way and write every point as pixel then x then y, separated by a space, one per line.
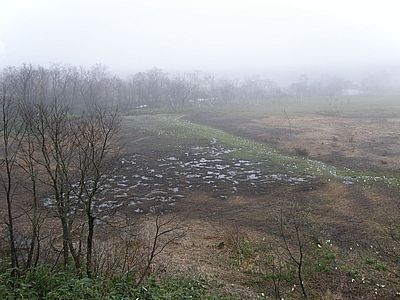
pixel 294 221
pixel 166 232
pixel 93 136
pixel 27 161
pixel 276 264
pixel 53 134
pixel 12 132
pixel 289 123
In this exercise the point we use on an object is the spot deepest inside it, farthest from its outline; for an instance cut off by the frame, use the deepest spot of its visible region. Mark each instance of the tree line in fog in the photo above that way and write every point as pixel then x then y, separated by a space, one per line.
pixel 78 86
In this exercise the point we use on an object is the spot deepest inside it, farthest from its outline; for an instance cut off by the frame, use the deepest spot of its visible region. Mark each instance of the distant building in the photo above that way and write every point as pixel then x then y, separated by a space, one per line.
pixel 352 92
pixel 199 102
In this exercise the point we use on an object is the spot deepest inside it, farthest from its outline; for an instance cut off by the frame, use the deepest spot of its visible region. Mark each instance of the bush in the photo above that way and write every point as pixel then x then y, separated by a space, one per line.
pixel 46 284
pixel 301 152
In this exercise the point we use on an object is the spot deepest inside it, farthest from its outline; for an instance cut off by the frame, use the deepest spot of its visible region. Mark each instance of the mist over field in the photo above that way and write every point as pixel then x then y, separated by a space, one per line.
pixel 276 39
pixel 185 149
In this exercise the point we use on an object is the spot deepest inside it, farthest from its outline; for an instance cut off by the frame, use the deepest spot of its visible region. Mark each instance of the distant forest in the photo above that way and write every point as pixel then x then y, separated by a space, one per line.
pixel 78 86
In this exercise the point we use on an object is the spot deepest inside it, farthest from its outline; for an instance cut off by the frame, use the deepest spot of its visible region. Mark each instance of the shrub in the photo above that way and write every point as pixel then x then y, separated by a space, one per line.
pixel 44 283
pixel 301 152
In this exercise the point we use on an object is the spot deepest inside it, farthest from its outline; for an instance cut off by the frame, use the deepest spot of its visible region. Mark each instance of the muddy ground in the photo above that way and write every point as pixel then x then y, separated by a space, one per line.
pixel 212 193
pixel 367 143
pixel 218 198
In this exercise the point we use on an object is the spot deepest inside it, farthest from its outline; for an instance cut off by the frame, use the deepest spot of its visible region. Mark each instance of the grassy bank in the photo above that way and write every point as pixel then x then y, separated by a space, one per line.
pixel 44 283
pixel 176 126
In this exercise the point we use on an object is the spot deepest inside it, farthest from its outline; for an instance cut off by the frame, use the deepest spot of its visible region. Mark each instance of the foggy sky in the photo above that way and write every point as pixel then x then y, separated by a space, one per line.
pixel 210 35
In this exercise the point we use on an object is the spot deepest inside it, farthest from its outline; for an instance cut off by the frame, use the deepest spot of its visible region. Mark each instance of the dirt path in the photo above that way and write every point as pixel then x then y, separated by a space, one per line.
pixel 141 139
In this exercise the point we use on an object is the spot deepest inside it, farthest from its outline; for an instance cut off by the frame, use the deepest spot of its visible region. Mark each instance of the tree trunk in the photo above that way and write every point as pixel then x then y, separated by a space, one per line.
pixel 13 250
pixel 89 250
pixel 35 234
pixel 65 235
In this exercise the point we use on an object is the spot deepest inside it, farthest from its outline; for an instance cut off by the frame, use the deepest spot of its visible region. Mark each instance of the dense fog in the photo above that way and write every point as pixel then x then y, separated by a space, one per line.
pixel 279 40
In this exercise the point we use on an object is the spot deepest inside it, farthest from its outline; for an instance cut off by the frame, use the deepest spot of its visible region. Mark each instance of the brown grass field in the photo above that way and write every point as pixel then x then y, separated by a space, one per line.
pixel 232 240
pixel 230 207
